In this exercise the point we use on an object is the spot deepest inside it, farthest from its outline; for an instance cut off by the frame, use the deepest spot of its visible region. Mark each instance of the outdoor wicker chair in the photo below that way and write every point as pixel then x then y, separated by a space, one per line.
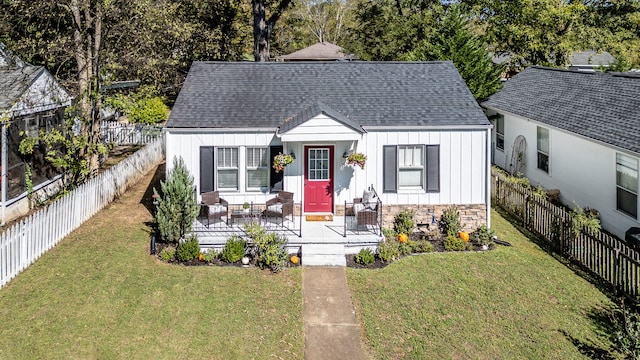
pixel 280 207
pixel 365 209
pixel 216 207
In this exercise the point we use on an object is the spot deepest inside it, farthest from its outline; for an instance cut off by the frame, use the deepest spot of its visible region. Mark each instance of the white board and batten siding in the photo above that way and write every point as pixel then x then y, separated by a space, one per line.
pixel 463 165
pixel 463 162
pixel 583 169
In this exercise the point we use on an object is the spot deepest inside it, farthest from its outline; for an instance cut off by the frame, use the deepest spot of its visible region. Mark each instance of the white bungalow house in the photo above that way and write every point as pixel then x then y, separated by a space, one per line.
pixel 426 140
pixel 30 100
pixel 574 131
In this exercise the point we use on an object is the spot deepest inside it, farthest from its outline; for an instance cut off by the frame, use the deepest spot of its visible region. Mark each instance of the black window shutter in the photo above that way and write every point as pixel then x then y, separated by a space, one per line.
pixel 206 169
pixel 433 168
pixel 275 178
pixel 390 169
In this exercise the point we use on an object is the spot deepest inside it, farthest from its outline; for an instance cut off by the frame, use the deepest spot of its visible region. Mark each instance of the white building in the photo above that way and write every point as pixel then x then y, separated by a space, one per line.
pixel 574 131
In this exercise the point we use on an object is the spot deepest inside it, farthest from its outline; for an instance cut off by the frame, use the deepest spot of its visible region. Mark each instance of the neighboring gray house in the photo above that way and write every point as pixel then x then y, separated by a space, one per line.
pixel 425 137
pixel 30 100
pixel 590 60
pixel 575 131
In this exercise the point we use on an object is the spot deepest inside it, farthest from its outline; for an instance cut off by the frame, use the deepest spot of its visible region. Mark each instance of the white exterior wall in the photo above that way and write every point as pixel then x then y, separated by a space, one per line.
pixel 463 163
pixel 583 170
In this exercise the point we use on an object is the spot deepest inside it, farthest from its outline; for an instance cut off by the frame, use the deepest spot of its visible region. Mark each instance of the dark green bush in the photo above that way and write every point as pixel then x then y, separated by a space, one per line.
pixel 626 336
pixel 176 206
pixel 365 257
pixel 233 250
pixel 189 249
pixel 403 223
pixel 483 235
pixel 454 243
pixel 450 222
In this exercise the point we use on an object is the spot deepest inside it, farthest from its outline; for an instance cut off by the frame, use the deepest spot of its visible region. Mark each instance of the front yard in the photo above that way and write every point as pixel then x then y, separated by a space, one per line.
pixel 98 294
pixel 513 302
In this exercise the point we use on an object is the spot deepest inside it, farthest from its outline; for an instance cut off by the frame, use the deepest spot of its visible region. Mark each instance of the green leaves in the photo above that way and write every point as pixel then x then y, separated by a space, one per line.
pixel 176 207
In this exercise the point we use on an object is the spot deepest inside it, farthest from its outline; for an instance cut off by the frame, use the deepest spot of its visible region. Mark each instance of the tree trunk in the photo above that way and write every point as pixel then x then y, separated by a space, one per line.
pixel 261 34
pixel 87 39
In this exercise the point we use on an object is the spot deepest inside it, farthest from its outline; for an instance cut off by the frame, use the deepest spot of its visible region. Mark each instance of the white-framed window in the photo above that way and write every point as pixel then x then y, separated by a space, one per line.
pixel 543 149
pixel 410 166
pixel 257 169
pixel 627 184
pixel 500 132
pixel 227 168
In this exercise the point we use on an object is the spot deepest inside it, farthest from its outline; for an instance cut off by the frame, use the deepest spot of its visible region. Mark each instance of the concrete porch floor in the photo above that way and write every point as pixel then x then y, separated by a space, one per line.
pixel 313 232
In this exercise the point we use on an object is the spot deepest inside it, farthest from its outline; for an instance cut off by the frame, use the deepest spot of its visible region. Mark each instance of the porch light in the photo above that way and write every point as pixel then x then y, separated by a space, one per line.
pixel 293 156
pixel 345 154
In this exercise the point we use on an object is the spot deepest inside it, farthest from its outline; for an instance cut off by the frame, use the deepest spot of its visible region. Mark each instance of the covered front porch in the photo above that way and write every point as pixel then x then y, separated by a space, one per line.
pixel 322 240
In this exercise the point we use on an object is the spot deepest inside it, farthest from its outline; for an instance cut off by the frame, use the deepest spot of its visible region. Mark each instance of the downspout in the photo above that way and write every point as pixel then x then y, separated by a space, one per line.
pixel 487 178
pixel 4 173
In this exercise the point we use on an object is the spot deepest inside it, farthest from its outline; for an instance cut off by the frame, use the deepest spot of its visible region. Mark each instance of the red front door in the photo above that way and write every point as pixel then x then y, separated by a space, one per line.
pixel 318 179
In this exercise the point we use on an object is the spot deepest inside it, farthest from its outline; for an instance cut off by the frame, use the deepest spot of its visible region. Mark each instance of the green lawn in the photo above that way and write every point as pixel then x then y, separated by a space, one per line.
pixel 512 303
pixel 99 295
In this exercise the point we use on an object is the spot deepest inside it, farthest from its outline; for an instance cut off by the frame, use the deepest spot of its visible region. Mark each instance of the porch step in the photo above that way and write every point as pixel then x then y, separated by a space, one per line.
pixel 323 255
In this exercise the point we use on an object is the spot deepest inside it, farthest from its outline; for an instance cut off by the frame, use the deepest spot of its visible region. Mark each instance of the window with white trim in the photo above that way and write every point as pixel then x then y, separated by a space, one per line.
pixel 411 167
pixel 500 132
pixel 543 149
pixel 227 168
pixel 627 184
pixel 257 169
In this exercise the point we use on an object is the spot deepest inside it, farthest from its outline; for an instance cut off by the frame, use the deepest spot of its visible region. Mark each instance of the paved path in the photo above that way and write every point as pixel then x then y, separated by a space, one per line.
pixel 330 327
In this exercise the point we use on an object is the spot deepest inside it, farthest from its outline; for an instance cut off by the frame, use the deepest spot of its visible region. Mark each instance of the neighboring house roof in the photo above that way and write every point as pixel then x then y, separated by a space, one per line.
pixel 322 51
pixel 590 58
pixel 600 106
pixel 15 82
pixel 359 94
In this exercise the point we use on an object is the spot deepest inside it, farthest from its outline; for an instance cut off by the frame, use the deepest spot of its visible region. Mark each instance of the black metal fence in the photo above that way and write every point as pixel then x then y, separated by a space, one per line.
pixel 605 256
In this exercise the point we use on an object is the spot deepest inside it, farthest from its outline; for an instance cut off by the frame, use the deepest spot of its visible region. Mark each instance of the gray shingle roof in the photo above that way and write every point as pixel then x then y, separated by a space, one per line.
pixel 252 95
pixel 604 107
pixel 591 57
pixel 14 82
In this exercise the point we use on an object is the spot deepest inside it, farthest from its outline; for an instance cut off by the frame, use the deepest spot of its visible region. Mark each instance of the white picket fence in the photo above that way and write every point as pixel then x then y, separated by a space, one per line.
pixel 26 241
pixel 129 134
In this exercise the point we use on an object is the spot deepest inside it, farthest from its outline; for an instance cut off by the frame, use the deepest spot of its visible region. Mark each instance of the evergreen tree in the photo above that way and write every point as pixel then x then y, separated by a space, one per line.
pixel 176 209
pixel 455 41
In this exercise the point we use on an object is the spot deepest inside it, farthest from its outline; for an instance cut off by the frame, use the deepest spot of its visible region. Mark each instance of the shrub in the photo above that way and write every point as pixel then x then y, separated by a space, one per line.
pixel 176 209
pixel 422 246
pixel 167 254
pixel 388 251
pixel 189 249
pixel 483 235
pixel 403 222
pixel 405 248
pixel 233 250
pixel 454 243
pixel 210 255
pixel 365 257
pixel 389 234
pixel 269 248
pixel 450 222
pixel 149 111
pixel 626 338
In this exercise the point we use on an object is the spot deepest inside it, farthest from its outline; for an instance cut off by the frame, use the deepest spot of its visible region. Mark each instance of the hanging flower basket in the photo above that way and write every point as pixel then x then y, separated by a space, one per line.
pixel 357 159
pixel 281 160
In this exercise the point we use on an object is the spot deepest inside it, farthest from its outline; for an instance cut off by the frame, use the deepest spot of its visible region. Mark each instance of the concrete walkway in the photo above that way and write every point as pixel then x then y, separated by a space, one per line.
pixel 330 327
